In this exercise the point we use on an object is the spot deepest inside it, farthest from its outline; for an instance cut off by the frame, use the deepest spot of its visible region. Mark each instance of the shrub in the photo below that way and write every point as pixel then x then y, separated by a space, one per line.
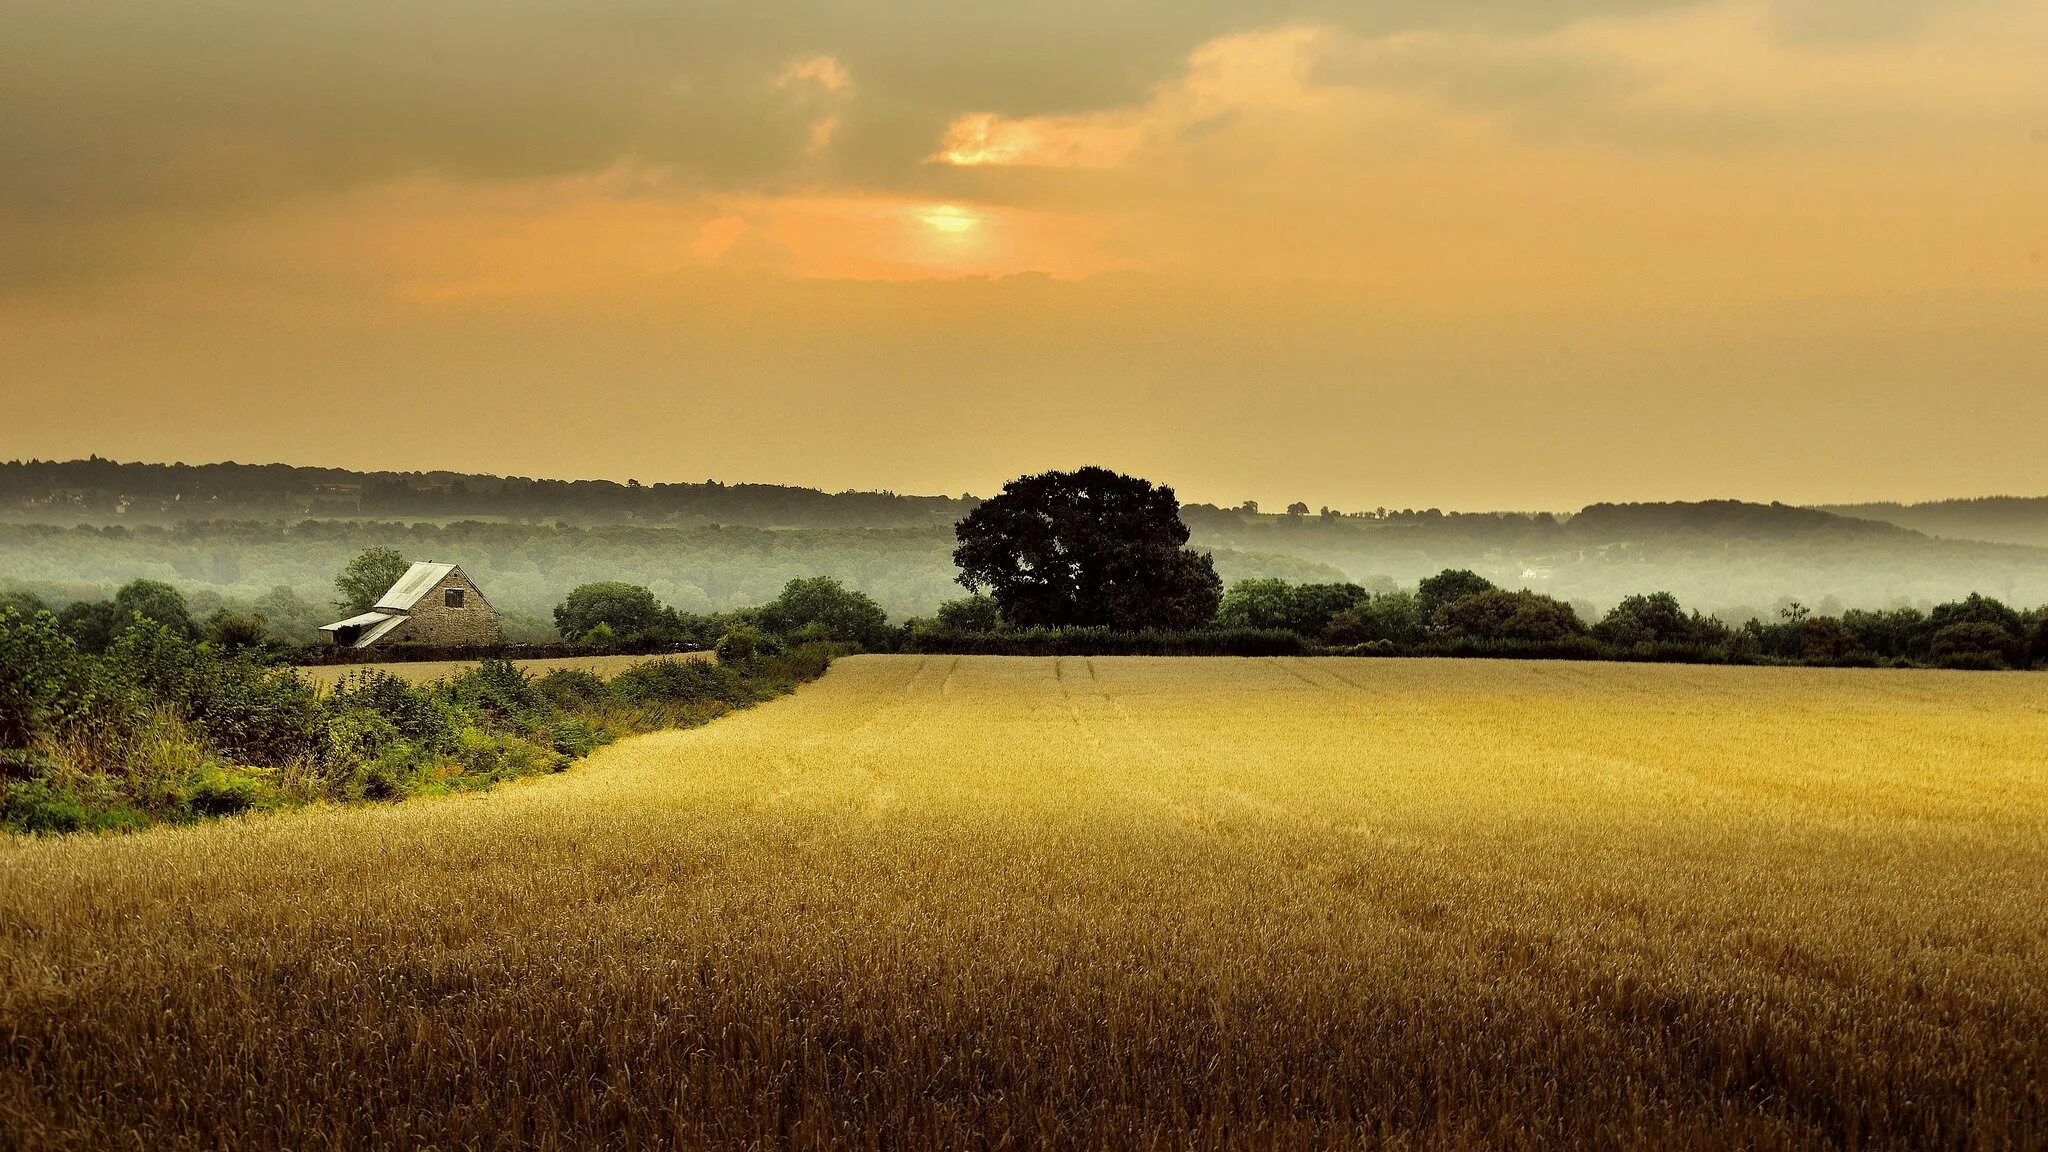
pixel 1391 618
pixel 1498 614
pixel 38 806
pixel 413 713
pixel 743 642
pixel 622 609
pixel 1447 587
pixel 568 688
pixel 225 793
pixel 237 630
pixel 1976 643
pixel 678 682
pixel 822 609
pixel 256 715
pixel 496 690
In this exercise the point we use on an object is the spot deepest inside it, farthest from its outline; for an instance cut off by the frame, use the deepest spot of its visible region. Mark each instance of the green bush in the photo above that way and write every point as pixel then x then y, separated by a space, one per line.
pixel 744 642
pixel 37 806
pixel 571 688
pixel 498 691
pixel 970 614
pixel 225 793
pixel 821 609
pixel 680 682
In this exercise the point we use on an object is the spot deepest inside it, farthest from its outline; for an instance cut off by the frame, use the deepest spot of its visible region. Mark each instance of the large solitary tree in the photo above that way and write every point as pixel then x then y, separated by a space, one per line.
pixel 1090 547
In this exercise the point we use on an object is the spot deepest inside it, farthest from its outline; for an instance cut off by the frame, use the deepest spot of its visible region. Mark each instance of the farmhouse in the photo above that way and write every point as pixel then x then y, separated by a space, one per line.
pixel 430 604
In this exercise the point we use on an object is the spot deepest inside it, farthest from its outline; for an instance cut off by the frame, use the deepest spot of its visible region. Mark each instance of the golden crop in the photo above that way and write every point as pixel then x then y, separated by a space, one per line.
pixel 1108 903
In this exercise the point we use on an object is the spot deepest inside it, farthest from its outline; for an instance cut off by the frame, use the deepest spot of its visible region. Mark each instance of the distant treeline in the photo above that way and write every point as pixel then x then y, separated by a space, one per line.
pixel 1459 613
pixel 1736 559
pixel 286 571
pixel 101 490
pixel 2002 519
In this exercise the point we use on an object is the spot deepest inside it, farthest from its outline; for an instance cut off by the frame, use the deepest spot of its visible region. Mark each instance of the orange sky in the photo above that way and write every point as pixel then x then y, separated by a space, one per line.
pixel 1447 254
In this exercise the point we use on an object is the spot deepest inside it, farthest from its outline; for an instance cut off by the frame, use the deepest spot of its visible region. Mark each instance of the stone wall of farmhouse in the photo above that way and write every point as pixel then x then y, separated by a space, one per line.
pixel 433 622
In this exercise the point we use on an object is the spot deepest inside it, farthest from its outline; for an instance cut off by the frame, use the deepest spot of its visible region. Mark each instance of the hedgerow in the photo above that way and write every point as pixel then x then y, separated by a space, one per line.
pixel 162 728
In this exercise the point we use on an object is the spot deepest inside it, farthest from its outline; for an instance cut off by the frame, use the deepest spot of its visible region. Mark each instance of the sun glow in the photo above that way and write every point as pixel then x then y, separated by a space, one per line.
pixel 947 218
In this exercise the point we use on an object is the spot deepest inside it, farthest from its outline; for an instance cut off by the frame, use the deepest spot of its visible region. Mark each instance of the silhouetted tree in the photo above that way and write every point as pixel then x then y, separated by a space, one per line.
pixel 1087 548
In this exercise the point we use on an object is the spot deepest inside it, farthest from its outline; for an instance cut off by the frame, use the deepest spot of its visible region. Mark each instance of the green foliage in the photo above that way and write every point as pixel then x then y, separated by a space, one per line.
pixel 624 610
pixel 1391 618
pixel 42 677
pixel 159 728
pixel 568 689
pixel 1977 643
pixel 1498 614
pixel 820 609
pixel 237 630
pixel 681 682
pixel 1894 634
pixel 1306 609
pixel 970 614
pixel 157 602
pixel 497 690
pixel 1445 588
pixel 1657 620
pixel 22 602
pixel 1976 609
pixel 225 793
pixel 744 642
pixel 1089 548
pixel 366 579
pixel 38 806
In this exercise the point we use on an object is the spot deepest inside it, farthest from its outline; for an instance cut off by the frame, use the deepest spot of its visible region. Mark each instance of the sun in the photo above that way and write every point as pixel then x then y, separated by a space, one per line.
pixel 947 218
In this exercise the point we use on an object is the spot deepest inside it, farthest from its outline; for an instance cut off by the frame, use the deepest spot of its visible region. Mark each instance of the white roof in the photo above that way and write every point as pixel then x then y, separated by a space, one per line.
pixel 417 582
pixel 373 624
pixel 363 621
pixel 372 635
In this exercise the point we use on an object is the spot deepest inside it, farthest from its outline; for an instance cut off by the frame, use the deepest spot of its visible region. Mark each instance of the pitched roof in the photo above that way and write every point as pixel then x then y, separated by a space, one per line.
pixel 417 582
pixel 363 621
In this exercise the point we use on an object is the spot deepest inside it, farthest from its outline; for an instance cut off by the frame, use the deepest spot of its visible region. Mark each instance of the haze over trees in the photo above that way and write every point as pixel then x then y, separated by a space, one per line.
pixel 71 544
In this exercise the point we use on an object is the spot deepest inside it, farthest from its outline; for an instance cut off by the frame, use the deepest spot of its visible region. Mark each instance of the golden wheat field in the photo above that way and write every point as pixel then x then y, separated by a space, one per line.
pixel 935 902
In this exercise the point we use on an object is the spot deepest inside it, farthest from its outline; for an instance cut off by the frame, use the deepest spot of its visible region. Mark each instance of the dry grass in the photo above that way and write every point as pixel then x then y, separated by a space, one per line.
pixel 1111 903
pixel 427 671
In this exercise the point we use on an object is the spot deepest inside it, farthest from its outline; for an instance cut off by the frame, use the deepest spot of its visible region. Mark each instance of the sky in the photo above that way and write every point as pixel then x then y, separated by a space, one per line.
pixel 1450 253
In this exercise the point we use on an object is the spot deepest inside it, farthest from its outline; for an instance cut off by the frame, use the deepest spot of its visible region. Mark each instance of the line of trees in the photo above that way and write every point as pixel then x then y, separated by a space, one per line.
pixel 1099 552
pixel 1458 612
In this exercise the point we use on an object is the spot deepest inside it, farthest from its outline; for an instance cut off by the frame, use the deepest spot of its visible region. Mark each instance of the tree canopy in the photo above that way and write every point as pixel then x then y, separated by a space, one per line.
pixel 625 610
pixel 821 608
pixel 1088 548
pixel 368 577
